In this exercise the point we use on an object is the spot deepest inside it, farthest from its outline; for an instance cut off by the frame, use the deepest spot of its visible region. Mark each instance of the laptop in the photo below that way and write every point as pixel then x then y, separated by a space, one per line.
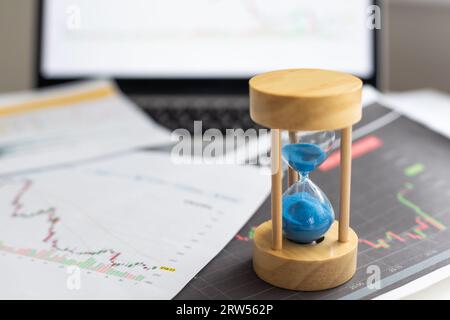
pixel 191 60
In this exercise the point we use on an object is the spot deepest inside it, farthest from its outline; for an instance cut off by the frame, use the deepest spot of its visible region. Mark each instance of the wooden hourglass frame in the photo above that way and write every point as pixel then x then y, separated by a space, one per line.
pixel 306 100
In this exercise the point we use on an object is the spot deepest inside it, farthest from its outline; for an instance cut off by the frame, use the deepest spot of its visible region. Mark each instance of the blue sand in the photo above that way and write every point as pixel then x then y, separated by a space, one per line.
pixel 303 157
pixel 305 218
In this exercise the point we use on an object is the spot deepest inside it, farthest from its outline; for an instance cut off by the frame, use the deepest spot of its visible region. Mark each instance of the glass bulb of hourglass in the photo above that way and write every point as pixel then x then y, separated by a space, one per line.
pixel 307 212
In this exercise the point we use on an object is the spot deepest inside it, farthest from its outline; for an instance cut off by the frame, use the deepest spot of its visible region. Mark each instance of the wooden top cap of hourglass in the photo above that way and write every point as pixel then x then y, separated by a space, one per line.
pixel 305 99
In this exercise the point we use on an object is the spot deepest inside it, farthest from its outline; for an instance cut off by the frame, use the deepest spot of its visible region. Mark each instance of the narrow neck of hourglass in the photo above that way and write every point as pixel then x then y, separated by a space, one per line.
pixel 300 186
pixel 303 175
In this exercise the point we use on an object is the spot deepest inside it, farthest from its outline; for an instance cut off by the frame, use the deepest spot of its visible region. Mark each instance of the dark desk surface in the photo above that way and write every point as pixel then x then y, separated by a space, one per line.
pixel 400 218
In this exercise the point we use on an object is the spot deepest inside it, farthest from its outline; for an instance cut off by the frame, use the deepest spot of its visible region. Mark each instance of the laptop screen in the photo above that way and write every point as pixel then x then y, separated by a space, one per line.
pixel 195 39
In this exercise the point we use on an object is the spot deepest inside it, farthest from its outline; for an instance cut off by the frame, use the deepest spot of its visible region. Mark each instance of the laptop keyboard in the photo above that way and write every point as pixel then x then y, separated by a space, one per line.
pixel 223 112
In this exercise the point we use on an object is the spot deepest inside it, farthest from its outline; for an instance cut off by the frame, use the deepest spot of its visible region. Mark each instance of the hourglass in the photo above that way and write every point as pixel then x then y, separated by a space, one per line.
pixel 303 247
pixel 307 212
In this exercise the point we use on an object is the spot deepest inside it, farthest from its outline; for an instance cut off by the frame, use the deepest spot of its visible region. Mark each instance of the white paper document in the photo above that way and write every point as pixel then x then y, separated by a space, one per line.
pixel 70 123
pixel 132 226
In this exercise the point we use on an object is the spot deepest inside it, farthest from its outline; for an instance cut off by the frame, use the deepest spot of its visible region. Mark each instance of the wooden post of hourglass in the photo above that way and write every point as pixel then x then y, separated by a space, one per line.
pixel 346 167
pixel 277 177
pixel 306 100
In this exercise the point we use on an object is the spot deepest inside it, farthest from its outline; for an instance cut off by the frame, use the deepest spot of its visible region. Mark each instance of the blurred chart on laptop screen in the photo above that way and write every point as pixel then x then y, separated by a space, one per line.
pixel 187 39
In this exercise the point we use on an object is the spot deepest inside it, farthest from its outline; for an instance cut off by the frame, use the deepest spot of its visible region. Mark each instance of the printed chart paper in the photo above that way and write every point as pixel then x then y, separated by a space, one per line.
pixel 134 226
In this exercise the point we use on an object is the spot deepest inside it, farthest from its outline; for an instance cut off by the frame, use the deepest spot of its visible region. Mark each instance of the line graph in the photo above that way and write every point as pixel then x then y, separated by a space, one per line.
pixel 401 197
pixel 423 222
pixel 62 255
pixel 415 233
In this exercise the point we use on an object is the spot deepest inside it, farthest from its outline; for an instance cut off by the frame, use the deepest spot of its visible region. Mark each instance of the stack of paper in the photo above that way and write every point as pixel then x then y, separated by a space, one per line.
pixel 69 124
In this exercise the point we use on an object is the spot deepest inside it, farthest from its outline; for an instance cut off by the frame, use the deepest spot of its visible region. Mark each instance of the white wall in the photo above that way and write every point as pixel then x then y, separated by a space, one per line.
pixel 418 44
pixel 16 44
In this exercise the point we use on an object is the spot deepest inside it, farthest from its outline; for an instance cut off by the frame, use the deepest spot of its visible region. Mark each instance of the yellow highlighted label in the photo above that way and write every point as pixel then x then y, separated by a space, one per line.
pixel 168 269
pixel 58 101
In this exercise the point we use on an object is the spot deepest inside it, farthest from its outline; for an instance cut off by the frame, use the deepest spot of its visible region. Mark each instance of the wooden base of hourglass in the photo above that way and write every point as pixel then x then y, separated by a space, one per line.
pixel 325 265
